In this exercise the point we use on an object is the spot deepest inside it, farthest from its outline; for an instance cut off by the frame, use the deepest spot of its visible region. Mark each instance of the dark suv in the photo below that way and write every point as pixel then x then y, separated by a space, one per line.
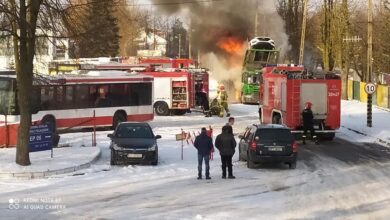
pixel 268 143
pixel 134 142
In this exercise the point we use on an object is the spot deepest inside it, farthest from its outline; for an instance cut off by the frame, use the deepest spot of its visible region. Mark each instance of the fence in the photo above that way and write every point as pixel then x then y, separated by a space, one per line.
pixel 381 97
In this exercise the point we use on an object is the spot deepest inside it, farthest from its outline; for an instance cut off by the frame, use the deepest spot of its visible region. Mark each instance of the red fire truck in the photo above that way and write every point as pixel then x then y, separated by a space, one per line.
pixel 286 88
pixel 178 91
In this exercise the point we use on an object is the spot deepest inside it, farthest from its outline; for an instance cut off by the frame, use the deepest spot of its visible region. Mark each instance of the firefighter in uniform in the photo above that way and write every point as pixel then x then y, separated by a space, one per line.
pixel 215 108
pixel 307 117
pixel 222 97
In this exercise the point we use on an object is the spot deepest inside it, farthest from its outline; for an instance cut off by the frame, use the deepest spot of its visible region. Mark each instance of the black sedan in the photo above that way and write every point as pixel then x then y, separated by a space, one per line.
pixel 134 143
pixel 268 144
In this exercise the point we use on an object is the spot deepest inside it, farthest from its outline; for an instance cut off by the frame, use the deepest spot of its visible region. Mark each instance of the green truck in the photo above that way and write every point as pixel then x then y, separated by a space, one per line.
pixel 260 53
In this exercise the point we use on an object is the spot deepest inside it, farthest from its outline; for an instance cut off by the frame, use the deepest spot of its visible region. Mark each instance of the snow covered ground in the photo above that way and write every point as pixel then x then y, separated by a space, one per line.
pixel 322 187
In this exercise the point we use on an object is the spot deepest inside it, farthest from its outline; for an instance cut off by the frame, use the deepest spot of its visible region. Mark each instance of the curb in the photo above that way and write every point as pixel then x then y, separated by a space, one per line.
pixel 381 141
pixel 45 174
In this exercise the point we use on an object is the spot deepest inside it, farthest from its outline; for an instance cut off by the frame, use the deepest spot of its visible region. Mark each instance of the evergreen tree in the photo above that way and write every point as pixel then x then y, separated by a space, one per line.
pixel 100 38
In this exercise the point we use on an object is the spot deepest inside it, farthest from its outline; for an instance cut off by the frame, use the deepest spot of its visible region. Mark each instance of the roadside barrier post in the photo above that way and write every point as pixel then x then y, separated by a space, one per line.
pixel 94 129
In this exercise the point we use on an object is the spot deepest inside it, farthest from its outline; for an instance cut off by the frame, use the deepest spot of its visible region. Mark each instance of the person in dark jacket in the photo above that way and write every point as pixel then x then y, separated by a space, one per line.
pixel 226 145
pixel 307 117
pixel 204 144
pixel 230 123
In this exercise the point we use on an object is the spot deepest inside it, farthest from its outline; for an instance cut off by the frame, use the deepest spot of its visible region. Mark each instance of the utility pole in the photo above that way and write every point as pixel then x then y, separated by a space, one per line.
pixel 369 63
pixel 179 45
pixel 302 47
pixel 189 44
pixel 256 19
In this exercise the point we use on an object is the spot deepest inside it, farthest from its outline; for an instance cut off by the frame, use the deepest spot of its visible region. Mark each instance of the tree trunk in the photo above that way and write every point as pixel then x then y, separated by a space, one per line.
pixel 24 47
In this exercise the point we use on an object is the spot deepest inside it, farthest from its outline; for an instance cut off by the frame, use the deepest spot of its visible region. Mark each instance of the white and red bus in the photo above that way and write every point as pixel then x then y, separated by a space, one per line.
pixel 98 98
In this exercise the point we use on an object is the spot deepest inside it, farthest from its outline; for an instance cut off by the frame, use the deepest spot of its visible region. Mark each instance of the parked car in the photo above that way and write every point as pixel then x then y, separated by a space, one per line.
pixel 134 143
pixel 268 143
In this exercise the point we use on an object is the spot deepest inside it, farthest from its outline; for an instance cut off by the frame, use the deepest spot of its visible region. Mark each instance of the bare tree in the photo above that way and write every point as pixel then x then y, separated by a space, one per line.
pixel 381 53
pixel 292 11
pixel 20 21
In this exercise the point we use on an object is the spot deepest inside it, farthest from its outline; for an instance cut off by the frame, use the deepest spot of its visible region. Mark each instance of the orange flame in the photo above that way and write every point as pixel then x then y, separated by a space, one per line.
pixel 231 45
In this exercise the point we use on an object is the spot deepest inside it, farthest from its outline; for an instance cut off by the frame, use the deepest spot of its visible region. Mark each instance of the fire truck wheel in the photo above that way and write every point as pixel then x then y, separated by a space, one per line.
pixel 161 108
pixel 328 136
pixel 276 119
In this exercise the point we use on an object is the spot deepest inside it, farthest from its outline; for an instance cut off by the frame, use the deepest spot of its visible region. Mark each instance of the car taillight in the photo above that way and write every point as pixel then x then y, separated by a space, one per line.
pixel 295 146
pixel 253 145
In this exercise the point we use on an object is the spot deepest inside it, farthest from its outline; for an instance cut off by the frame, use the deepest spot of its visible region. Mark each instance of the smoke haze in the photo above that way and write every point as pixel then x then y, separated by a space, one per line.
pixel 215 21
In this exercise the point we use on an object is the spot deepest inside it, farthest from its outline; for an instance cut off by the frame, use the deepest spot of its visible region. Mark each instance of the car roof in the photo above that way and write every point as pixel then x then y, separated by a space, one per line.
pixel 135 123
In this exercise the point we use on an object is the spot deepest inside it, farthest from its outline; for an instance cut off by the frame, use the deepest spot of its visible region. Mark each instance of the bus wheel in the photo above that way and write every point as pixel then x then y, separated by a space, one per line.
pixel 50 120
pixel 118 118
pixel 276 119
pixel 161 108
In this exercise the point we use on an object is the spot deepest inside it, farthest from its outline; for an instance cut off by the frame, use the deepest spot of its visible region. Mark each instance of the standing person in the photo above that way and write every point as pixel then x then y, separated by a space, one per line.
pixel 307 117
pixel 231 123
pixel 226 145
pixel 222 98
pixel 204 144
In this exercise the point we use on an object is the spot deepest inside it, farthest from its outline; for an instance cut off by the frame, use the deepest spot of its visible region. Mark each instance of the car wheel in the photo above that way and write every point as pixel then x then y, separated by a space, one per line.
pixel 250 163
pixel 155 162
pixel 113 158
pixel 161 108
pixel 292 165
pixel 329 136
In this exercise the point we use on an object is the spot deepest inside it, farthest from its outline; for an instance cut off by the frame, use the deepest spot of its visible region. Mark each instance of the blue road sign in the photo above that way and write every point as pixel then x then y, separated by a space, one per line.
pixel 41 138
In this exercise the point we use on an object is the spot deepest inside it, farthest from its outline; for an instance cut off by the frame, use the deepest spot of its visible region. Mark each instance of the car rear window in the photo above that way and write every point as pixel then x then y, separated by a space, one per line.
pixel 274 134
pixel 134 132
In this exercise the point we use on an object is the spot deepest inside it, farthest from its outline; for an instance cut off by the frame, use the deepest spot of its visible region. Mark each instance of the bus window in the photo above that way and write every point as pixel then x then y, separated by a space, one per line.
pixel 47 98
pixel 138 90
pixel 35 100
pixel 69 97
pixel 7 98
pixel 118 95
pixel 103 99
pixel 59 97
pixel 82 97
pixel 92 95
